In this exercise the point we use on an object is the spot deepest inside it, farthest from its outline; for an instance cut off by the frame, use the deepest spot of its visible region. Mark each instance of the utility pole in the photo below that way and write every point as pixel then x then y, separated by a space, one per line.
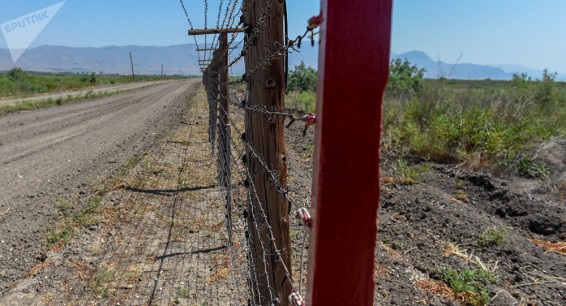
pixel 162 71
pixel 132 64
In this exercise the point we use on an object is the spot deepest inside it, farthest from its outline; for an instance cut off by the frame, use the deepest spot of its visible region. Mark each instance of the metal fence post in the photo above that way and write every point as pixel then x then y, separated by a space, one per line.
pixel 353 72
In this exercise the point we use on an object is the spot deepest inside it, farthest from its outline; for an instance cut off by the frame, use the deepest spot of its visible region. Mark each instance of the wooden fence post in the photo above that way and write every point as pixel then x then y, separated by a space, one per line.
pixel 224 126
pixel 265 134
pixel 210 80
pixel 352 75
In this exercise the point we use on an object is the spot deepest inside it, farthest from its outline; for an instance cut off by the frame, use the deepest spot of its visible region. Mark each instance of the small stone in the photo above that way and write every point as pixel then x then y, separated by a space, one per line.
pixel 503 298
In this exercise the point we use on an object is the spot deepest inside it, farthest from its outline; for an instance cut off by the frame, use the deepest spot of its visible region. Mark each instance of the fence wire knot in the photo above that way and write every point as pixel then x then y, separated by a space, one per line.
pixel 309 119
pixel 304 215
pixel 296 300
pixel 314 22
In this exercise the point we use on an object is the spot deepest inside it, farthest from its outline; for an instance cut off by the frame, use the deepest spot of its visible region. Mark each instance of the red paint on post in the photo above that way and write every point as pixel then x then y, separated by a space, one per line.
pixel 353 72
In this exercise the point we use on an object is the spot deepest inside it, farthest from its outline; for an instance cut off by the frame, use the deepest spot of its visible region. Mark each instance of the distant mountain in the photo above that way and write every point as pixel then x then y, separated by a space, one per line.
pixel 184 59
pixel 533 73
pixel 113 59
pixel 438 69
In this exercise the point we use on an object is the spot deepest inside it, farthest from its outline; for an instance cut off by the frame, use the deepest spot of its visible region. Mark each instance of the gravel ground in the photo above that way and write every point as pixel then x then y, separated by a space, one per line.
pixel 55 155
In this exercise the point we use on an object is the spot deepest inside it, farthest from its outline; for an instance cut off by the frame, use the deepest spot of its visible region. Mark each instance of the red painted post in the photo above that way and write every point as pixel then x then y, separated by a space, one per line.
pixel 353 72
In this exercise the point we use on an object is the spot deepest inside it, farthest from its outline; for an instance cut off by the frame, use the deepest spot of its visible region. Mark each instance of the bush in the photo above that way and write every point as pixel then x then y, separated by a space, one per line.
pixel 17 74
pixel 546 96
pixel 302 101
pixel 405 79
pixel 302 78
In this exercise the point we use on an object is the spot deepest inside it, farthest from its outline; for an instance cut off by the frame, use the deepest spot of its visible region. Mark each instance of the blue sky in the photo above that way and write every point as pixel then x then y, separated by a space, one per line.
pixel 527 32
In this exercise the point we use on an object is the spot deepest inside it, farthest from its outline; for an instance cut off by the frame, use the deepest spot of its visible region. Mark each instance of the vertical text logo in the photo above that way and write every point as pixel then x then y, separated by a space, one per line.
pixel 21 32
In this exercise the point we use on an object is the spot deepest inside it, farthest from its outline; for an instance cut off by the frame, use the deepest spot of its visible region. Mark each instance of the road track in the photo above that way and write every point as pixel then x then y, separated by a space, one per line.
pixel 54 154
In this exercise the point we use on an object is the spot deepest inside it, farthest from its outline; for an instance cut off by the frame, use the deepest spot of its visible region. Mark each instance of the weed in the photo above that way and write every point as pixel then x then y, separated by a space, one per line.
pixel 534 169
pixel 400 246
pixel 101 282
pixel 309 151
pixel 407 174
pixel 493 236
pixel 302 101
pixel 454 249
pixel 85 218
pixel 183 293
pixel 468 284
pixel 461 195
pixel 64 206
pixel 56 236
pixel 294 235
pixel 208 234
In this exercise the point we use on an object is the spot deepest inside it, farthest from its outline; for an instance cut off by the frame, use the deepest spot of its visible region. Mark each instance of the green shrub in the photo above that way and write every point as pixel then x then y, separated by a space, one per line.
pixel 469 284
pixel 302 78
pixel 404 79
pixel 17 74
pixel 302 101
pixel 493 236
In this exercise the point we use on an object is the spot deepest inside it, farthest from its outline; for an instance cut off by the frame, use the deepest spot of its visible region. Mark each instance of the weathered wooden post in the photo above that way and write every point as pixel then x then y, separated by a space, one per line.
pixel 263 20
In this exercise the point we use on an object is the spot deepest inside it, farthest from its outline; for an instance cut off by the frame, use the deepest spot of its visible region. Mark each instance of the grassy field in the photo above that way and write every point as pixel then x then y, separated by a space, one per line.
pixel 18 83
pixel 494 125
pixel 486 124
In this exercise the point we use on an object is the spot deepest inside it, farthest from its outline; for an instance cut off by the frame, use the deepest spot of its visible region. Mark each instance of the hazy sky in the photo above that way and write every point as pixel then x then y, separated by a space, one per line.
pixel 527 32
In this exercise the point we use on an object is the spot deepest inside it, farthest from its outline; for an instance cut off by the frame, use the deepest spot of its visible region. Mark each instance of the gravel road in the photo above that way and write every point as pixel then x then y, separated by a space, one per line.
pixel 54 154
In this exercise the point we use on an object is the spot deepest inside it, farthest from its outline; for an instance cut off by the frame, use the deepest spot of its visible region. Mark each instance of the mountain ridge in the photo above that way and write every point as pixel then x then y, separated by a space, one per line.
pixel 183 59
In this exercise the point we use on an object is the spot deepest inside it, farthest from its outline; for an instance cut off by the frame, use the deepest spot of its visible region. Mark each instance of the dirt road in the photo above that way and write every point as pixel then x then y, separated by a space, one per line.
pixel 53 156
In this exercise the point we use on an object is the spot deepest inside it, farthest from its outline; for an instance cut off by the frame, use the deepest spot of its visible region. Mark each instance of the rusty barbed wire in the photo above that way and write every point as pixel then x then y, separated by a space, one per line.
pixel 261 235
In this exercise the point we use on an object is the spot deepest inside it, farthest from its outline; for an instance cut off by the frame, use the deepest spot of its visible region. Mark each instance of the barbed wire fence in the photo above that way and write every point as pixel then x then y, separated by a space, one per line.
pixel 246 132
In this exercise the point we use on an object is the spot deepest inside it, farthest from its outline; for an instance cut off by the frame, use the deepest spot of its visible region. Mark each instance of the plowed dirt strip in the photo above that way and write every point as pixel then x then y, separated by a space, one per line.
pixel 161 239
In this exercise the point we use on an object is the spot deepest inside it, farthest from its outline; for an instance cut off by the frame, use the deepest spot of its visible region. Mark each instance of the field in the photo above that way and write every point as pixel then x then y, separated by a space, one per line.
pixel 18 83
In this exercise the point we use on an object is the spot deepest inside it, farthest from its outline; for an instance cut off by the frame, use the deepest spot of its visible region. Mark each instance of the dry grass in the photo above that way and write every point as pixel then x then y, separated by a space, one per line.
pixel 558 247
pixel 379 271
pixel 436 287
pixel 221 265
pixel 452 249
pixel 82 270
pixel 456 200
pixel 391 251
pixel 35 270
pixel 388 180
